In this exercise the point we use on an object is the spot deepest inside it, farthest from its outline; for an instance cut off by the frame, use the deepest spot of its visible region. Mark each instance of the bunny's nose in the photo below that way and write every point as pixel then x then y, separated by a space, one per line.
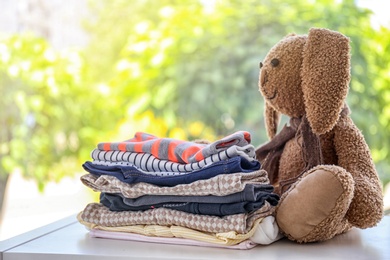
pixel 263 77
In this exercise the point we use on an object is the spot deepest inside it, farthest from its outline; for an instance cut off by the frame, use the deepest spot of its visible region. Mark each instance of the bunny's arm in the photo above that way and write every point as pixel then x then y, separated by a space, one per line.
pixel 366 208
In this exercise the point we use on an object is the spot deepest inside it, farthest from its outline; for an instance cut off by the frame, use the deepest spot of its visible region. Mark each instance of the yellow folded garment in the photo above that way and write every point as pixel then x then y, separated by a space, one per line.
pixel 226 238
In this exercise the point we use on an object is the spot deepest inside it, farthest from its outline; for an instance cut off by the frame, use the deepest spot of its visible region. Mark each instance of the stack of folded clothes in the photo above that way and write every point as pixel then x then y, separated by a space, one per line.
pixel 172 191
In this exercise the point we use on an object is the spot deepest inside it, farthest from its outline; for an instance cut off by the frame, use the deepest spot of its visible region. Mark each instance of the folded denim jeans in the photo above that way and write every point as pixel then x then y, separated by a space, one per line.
pixel 130 174
pixel 118 203
pixel 251 192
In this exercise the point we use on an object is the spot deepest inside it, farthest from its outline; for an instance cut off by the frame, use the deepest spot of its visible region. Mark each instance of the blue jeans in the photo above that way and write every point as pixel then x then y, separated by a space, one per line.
pixel 130 174
pixel 118 203
pixel 251 192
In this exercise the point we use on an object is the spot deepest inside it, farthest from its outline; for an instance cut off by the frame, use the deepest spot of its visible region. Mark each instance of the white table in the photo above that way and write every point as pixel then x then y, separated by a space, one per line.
pixel 67 239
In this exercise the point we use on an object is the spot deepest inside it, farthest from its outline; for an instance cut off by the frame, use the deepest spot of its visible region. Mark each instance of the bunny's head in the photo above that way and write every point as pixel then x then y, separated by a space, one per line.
pixel 306 75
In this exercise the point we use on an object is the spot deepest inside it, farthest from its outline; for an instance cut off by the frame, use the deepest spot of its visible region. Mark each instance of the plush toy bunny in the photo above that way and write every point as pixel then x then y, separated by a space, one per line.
pixel 319 162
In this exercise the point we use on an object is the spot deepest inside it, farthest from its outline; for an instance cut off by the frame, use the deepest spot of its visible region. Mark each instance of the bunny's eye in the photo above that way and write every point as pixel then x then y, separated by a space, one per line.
pixel 260 65
pixel 274 62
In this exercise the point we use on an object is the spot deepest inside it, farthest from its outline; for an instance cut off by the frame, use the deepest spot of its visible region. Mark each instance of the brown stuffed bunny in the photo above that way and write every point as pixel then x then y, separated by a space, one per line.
pixel 319 163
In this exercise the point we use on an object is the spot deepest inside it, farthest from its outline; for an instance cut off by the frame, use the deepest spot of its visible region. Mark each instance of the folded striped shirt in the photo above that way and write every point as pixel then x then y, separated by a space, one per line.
pixel 243 244
pixel 264 232
pixel 179 235
pixel 175 150
pixel 150 163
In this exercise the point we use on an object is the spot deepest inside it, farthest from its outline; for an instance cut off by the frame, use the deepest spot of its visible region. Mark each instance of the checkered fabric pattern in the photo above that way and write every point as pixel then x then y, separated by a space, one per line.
pixel 220 185
pixel 98 214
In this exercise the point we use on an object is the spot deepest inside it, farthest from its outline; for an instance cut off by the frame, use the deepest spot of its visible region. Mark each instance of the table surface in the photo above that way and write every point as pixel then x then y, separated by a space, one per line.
pixel 67 239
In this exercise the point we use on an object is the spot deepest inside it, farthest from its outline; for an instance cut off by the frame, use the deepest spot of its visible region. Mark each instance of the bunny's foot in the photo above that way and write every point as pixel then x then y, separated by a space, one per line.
pixel 314 208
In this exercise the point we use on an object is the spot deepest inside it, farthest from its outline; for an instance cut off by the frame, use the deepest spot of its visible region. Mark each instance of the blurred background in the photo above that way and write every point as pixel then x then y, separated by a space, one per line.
pixel 74 73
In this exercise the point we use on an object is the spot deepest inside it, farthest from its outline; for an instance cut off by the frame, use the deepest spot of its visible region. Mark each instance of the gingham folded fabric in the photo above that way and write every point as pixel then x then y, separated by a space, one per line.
pixel 98 214
pixel 220 185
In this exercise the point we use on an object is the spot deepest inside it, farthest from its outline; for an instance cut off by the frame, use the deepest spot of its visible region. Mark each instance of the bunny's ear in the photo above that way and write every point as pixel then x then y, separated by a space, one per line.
pixel 272 118
pixel 325 77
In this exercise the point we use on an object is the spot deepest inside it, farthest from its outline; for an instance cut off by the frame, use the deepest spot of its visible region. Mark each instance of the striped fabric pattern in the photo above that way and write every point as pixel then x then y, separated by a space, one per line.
pixel 149 162
pixel 174 150
pixel 172 232
pixel 132 236
pixel 151 157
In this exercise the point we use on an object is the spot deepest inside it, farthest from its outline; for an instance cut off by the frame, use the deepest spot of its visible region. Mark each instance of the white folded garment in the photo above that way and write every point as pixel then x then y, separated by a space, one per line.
pixel 267 232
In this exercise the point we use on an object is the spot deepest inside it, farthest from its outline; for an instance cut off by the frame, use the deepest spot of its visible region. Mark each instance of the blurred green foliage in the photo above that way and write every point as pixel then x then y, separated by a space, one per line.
pixel 185 69
pixel 44 121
